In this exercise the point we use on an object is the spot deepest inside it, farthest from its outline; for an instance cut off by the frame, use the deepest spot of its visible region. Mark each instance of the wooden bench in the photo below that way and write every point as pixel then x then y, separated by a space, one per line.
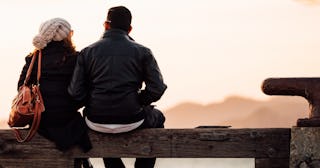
pixel 269 147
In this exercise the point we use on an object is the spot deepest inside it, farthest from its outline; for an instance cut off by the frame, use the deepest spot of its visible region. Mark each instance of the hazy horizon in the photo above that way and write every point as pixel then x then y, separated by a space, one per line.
pixel 234 111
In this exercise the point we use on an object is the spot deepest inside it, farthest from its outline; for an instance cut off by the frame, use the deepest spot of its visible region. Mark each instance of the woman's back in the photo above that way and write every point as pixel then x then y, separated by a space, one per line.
pixel 60 122
pixel 57 70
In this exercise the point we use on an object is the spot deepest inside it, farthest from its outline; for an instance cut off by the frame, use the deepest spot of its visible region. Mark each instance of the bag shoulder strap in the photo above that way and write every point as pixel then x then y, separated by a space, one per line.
pixel 39 66
pixel 37 116
pixel 31 66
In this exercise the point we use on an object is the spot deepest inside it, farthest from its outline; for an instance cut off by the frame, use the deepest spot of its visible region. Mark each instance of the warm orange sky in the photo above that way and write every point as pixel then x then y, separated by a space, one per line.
pixel 206 49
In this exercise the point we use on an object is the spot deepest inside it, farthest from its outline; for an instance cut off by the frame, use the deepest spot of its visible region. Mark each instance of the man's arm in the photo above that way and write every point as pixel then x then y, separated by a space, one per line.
pixel 155 86
pixel 78 87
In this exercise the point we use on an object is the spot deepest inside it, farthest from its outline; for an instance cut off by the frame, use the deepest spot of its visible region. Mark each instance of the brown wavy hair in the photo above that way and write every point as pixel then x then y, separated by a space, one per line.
pixel 69 46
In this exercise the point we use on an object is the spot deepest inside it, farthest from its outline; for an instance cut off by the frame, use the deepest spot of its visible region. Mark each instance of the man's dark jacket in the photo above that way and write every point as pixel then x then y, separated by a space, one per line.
pixel 108 78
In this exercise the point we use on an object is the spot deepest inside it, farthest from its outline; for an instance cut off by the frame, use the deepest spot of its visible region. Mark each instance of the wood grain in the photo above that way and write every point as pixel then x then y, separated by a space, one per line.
pixel 268 146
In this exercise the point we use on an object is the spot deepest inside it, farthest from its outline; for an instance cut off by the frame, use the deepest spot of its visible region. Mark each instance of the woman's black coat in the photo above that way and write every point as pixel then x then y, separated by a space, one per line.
pixel 60 122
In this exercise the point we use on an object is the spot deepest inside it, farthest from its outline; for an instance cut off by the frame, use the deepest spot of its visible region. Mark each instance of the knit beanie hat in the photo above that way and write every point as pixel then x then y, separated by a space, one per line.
pixel 55 29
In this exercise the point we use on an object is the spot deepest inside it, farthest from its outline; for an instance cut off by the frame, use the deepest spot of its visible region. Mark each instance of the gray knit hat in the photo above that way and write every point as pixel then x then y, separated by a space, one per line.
pixel 55 29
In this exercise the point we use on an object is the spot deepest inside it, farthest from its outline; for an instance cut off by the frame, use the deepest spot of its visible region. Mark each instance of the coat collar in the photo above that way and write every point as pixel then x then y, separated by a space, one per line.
pixel 115 33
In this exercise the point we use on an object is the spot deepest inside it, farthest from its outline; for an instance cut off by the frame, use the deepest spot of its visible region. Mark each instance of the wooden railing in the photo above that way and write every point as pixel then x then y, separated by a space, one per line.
pixel 269 147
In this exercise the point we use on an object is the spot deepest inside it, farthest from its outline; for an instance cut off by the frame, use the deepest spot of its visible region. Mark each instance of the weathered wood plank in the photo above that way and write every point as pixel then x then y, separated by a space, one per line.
pixel 228 143
pixel 165 143
pixel 38 147
pixel 272 163
pixel 37 163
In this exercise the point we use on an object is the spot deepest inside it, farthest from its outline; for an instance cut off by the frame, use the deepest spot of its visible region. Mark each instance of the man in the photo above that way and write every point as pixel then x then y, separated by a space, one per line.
pixel 108 78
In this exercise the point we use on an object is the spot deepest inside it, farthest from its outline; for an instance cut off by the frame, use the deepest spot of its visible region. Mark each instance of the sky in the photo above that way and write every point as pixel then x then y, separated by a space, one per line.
pixel 207 50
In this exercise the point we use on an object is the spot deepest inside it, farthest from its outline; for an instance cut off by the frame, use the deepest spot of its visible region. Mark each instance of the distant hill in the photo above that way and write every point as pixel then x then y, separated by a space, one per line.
pixel 239 112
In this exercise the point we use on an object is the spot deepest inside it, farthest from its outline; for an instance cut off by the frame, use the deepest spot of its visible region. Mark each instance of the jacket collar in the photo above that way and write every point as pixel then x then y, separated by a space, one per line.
pixel 115 33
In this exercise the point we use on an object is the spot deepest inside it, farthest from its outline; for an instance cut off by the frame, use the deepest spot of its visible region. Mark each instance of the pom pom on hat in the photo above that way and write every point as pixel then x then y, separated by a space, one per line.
pixel 39 42
pixel 55 29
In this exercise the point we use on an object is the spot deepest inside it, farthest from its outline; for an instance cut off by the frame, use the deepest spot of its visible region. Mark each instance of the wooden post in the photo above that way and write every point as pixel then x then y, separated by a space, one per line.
pixel 305 148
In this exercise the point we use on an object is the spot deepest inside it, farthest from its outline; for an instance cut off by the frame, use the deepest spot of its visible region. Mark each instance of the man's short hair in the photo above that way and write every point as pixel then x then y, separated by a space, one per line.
pixel 119 17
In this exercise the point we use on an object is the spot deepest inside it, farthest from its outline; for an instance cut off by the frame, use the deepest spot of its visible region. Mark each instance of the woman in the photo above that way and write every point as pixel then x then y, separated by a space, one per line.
pixel 60 122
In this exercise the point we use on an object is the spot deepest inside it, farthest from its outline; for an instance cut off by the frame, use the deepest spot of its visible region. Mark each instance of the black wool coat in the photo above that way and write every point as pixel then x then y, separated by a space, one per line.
pixel 60 122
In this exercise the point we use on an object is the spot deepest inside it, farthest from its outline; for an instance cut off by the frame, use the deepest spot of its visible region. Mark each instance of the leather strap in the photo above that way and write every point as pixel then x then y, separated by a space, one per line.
pixel 37 116
pixel 26 80
pixel 39 67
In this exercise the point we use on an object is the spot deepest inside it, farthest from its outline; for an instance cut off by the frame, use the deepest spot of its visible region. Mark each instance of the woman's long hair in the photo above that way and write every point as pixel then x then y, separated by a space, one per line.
pixel 70 49
pixel 68 44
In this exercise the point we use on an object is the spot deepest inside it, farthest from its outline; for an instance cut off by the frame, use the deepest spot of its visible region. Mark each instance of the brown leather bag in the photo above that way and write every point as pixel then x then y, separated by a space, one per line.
pixel 28 105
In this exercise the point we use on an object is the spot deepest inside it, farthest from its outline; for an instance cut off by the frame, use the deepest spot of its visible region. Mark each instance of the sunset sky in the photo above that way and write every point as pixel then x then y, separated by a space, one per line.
pixel 207 50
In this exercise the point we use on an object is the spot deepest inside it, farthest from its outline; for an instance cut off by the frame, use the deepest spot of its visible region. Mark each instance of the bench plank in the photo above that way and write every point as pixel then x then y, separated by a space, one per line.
pixel 263 144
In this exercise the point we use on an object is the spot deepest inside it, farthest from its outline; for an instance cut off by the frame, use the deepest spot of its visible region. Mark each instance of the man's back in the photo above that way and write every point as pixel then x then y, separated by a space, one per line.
pixel 116 67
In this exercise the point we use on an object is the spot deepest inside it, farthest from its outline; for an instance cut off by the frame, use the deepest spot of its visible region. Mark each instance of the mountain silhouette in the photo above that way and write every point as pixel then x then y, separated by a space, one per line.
pixel 235 111
pixel 239 112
